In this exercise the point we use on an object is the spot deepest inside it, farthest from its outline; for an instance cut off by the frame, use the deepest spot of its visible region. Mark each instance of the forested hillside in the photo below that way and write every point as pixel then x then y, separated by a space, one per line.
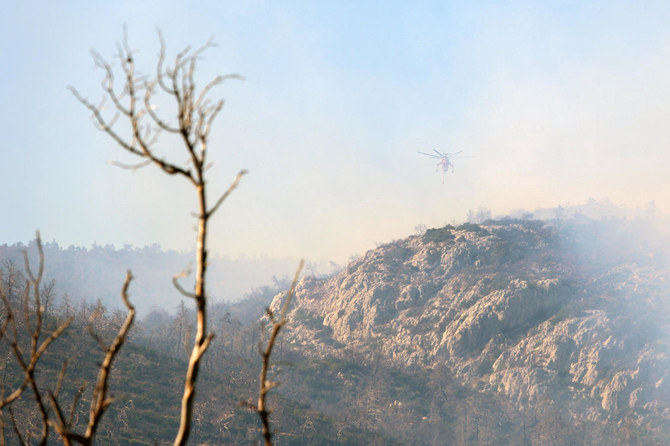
pixel 510 332
pixel 147 378
pixel 91 274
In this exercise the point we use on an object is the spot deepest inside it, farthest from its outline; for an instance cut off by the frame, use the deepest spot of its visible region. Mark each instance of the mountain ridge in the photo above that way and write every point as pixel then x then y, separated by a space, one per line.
pixel 511 307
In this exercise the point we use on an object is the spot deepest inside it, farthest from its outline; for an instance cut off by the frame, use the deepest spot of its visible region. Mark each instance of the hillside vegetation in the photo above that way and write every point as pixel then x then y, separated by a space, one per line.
pixel 508 332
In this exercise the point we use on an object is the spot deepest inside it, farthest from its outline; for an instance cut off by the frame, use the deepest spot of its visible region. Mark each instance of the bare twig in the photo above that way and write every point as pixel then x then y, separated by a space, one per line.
pixel 30 365
pixel 231 188
pixel 75 402
pixel 132 146
pixel 266 384
pixel 59 424
pixel 136 166
pixel 175 281
pixel 61 376
pixel 15 427
pixel 100 400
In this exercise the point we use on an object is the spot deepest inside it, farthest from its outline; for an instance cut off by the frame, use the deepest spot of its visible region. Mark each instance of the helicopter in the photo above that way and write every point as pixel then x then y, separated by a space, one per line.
pixel 445 160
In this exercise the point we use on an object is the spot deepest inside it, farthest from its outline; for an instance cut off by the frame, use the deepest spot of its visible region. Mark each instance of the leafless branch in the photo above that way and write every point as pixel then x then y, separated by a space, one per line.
pixel 61 376
pixel 132 146
pixel 149 89
pixel 15 427
pixel 130 166
pixel 265 384
pixel 231 188
pixel 100 400
pixel 216 81
pixel 75 402
pixel 59 425
pixel 29 366
pixel 175 282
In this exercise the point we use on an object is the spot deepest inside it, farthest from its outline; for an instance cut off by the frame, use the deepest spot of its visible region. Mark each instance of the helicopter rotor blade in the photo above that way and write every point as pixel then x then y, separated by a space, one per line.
pixel 430 155
pixel 439 153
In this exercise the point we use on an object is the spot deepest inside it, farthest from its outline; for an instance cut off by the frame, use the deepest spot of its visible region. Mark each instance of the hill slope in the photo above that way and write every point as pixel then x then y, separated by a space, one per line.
pixel 572 315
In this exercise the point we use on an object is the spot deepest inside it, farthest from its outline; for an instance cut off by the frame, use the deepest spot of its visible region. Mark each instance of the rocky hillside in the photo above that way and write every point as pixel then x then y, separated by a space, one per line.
pixel 574 313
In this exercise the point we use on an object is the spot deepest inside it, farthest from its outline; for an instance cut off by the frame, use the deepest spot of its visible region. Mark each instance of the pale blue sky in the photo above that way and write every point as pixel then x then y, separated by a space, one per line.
pixel 556 102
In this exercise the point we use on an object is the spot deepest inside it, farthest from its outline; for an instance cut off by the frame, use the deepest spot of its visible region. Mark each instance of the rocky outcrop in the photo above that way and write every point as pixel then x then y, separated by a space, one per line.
pixel 506 308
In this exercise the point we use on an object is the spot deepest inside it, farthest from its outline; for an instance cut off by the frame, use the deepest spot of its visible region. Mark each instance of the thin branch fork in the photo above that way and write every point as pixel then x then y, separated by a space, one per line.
pixel 143 151
pixel 175 281
pixel 100 400
pixel 138 145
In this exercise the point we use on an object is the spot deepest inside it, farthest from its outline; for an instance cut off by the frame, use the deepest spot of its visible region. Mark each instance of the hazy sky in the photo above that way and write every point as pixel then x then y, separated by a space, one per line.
pixel 556 102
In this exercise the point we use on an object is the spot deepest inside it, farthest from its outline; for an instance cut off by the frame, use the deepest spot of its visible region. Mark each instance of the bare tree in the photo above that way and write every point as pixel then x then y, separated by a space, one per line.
pixel 195 112
pixel 265 384
pixel 134 101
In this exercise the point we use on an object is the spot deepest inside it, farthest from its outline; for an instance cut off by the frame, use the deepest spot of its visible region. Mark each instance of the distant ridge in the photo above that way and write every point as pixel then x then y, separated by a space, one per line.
pixel 97 273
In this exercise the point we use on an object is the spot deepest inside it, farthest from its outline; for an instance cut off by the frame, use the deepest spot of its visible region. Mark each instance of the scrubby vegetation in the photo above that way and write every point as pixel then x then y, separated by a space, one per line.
pixel 339 390
pixel 438 235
